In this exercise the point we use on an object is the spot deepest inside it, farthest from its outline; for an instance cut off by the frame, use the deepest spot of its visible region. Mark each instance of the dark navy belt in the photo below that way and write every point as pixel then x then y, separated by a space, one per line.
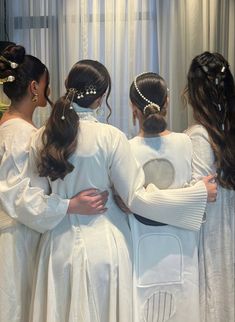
pixel 148 222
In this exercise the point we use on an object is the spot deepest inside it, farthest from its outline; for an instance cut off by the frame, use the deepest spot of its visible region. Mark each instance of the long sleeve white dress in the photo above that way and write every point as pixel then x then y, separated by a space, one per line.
pixel 84 267
pixel 165 274
pixel 216 249
pixel 22 209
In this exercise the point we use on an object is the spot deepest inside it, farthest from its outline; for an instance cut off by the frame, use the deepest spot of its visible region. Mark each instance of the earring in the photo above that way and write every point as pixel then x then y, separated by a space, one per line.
pixel 134 119
pixel 35 98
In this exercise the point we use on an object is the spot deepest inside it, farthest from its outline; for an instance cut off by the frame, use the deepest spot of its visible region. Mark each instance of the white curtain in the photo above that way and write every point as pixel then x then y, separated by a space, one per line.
pixel 128 37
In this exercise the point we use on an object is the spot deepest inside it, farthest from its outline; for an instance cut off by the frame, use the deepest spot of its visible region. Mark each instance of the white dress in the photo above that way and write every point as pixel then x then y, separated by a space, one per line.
pixel 84 270
pixel 165 278
pixel 216 250
pixel 18 243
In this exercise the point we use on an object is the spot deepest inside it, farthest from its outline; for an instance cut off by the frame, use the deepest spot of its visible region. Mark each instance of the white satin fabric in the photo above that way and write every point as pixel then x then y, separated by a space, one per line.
pixel 24 212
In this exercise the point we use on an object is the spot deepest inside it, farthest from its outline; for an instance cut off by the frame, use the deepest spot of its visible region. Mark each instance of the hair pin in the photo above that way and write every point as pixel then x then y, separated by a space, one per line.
pixel 89 90
pixel 11 63
pixel 222 69
pixel 72 91
pixel 80 95
pixel 156 107
pixel 8 79
pixel 205 68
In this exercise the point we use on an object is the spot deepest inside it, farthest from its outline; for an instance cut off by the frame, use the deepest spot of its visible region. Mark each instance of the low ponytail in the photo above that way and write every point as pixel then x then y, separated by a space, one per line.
pixel 87 82
pixel 59 140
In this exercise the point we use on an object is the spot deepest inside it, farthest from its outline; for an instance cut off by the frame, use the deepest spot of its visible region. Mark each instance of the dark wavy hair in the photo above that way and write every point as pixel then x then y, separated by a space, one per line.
pixel 29 68
pixel 154 88
pixel 60 135
pixel 210 90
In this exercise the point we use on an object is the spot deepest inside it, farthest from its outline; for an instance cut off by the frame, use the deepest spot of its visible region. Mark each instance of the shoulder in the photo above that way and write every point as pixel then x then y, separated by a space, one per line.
pixel 180 141
pixel 135 140
pixel 108 131
pixel 199 137
pixel 197 131
pixel 16 133
pixel 180 137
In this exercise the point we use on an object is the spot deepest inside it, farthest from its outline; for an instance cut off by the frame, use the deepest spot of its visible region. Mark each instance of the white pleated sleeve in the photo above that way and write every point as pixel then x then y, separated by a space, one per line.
pixel 178 207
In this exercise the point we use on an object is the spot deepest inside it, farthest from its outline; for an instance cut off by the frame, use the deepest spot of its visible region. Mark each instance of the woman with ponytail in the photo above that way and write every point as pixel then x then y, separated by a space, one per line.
pixel 84 270
pixel 166 285
pixel 25 211
pixel 210 91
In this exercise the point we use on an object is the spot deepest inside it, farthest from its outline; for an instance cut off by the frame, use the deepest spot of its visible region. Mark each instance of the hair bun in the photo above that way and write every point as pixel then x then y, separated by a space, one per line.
pixel 14 53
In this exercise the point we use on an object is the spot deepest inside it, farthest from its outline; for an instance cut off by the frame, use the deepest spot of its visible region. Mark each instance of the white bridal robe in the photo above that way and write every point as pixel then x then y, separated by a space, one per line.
pixel 24 214
pixel 165 274
pixel 216 247
pixel 84 266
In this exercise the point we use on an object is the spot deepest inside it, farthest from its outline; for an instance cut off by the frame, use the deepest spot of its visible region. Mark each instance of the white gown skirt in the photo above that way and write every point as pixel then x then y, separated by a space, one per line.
pixel 85 271
pixel 18 248
pixel 165 277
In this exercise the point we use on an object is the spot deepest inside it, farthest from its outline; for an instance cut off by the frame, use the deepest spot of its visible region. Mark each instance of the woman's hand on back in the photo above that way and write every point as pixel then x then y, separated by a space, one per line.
pixel 211 187
pixel 88 202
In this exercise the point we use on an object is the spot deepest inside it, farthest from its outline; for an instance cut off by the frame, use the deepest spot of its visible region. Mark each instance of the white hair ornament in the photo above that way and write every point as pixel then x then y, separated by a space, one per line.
pixel 150 103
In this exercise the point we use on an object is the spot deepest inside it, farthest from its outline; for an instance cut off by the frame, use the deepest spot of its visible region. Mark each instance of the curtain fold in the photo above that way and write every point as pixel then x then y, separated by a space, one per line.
pixel 128 37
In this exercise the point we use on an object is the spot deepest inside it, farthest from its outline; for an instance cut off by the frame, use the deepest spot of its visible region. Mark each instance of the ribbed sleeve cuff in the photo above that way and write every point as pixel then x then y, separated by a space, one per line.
pixel 182 208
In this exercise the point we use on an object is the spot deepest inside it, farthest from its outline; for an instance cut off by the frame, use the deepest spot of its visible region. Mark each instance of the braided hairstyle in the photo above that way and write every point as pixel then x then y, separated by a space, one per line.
pixel 210 91
pixel 60 135
pixel 28 68
pixel 148 93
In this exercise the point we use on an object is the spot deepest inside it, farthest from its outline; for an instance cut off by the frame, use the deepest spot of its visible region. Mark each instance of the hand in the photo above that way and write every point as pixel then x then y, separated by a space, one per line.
pixel 211 187
pixel 88 202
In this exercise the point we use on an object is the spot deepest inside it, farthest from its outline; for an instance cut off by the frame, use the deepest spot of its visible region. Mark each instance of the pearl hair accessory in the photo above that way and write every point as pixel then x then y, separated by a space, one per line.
pixel 72 91
pixel 8 79
pixel 145 98
pixel 11 63
pixel 155 106
pixel 89 90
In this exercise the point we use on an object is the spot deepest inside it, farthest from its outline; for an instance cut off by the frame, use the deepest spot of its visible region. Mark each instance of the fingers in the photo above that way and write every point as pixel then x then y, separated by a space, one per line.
pixel 100 198
pixel 212 192
pixel 89 192
pixel 96 210
pixel 94 192
pixel 212 178
pixel 211 199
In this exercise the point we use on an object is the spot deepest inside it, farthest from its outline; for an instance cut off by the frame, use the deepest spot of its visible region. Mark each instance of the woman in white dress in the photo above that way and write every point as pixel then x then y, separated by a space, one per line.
pixel 210 91
pixel 24 212
pixel 84 270
pixel 165 275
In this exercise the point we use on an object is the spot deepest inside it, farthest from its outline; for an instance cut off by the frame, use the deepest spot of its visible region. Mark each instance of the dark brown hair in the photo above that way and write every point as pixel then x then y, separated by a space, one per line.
pixel 29 68
pixel 60 135
pixel 210 91
pixel 153 87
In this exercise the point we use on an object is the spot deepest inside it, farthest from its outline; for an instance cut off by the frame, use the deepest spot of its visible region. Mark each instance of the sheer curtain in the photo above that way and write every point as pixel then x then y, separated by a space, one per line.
pixel 129 37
